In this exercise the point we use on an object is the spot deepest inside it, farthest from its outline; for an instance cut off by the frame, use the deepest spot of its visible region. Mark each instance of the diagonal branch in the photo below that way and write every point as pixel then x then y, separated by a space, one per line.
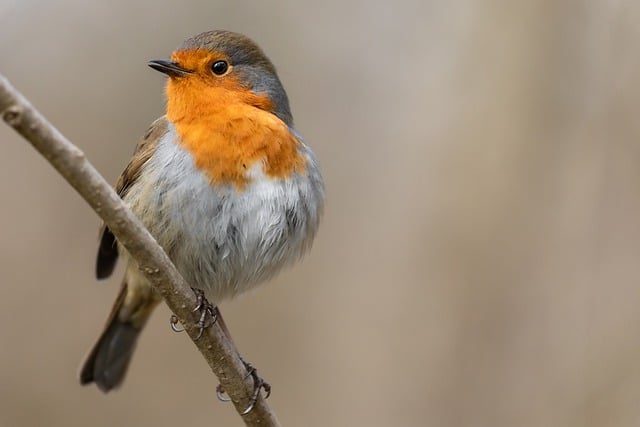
pixel 217 349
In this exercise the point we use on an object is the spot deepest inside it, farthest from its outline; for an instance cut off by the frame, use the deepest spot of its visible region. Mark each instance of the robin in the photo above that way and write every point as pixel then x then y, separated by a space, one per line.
pixel 223 182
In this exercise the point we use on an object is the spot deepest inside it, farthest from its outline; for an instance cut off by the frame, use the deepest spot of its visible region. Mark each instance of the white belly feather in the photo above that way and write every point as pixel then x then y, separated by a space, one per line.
pixel 222 240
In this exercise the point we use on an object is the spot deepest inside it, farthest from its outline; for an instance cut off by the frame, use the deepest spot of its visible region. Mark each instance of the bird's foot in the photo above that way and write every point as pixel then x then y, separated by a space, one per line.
pixel 208 314
pixel 259 384
pixel 207 310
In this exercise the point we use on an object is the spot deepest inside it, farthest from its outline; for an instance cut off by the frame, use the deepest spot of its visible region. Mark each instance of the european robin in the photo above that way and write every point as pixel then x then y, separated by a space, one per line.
pixel 223 182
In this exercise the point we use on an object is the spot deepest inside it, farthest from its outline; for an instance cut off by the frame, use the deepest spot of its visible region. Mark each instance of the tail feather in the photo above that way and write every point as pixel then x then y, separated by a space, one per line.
pixel 109 359
pixel 107 363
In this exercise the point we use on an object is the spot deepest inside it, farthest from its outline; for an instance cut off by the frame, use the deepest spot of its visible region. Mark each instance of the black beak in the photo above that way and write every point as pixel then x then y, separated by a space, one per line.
pixel 171 69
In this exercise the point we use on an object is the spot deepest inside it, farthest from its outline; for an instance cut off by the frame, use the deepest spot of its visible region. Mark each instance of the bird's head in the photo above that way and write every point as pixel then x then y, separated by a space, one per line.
pixel 219 68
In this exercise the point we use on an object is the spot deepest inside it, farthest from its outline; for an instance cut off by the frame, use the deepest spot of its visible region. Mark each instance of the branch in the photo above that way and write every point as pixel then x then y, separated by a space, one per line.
pixel 217 349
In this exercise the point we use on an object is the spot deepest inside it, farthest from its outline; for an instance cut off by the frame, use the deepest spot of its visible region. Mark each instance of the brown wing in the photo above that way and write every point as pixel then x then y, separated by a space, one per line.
pixel 108 249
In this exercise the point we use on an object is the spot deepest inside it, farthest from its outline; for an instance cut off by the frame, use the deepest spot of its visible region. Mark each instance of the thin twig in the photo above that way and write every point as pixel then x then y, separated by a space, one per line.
pixel 219 352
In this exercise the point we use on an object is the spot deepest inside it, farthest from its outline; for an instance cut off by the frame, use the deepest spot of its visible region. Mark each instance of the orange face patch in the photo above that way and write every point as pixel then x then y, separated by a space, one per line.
pixel 226 127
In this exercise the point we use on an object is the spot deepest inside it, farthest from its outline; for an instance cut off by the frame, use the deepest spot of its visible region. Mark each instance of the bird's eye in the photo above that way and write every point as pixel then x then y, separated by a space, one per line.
pixel 219 67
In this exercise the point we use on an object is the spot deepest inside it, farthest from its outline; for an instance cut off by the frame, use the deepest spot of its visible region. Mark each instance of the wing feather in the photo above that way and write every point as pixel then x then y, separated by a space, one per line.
pixel 108 248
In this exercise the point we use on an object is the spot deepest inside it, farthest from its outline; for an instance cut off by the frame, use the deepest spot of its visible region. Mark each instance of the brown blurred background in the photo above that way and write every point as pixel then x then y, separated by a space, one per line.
pixel 478 261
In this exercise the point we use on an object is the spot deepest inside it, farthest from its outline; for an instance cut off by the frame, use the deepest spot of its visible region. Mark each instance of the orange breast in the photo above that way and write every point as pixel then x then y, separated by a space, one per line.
pixel 228 129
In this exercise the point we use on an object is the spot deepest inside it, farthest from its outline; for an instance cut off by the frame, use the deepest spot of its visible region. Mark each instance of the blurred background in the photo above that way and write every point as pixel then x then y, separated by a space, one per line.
pixel 478 264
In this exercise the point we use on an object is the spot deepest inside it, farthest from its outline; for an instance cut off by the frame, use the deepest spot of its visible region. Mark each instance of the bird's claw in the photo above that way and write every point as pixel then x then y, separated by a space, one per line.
pixel 200 299
pixel 220 394
pixel 173 322
pixel 259 384
pixel 206 309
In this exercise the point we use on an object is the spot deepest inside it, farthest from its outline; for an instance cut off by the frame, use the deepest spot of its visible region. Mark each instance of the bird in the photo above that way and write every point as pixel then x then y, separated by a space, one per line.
pixel 223 182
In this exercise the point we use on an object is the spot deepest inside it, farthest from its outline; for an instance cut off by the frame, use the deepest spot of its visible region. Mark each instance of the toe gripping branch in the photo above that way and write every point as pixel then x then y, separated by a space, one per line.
pixel 208 316
pixel 258 384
